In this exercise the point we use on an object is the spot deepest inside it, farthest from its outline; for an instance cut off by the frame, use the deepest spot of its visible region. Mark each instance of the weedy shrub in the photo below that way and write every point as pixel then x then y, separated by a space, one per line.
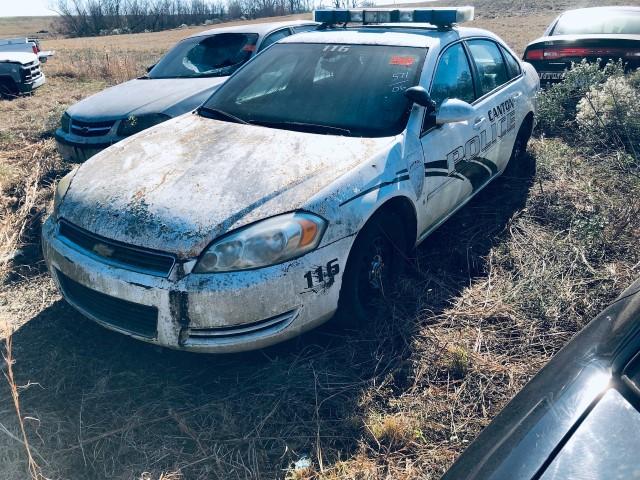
pixel 609 114
pixel 557 106
pixel 597 110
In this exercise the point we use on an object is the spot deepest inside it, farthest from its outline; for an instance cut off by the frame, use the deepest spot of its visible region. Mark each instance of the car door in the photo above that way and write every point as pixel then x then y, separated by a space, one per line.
pixel 273 37
pixel 499 103
pixel 443 145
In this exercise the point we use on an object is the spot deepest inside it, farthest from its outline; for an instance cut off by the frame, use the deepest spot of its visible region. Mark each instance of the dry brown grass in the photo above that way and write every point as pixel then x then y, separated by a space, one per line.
pixel 25 26
pixel 493 295
pixel 35 472
pixel 29 164
pixel 113 66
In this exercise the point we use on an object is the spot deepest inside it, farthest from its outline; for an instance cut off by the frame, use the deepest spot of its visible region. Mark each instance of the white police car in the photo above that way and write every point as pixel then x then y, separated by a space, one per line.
pixel 297 188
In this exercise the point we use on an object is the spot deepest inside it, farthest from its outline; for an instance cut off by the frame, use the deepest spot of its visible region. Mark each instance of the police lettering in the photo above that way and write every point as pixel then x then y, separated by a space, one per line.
pixel 486 139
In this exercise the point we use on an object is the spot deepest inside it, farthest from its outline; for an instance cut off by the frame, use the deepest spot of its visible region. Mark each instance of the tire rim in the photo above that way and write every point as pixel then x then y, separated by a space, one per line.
pixel 517 148
pixel 374 272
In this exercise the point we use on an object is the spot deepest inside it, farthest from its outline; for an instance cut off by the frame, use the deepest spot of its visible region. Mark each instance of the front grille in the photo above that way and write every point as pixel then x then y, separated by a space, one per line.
pixel 91 129
pixel 202 336
pixel 115 253
pixel 31 72
pixel 138 319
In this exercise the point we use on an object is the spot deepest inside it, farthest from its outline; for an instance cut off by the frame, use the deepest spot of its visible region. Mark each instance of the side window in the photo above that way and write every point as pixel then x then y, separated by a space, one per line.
pixel 453 77
pixel 492 70
pixel 274 37
pixel 513 66
pixel 305 28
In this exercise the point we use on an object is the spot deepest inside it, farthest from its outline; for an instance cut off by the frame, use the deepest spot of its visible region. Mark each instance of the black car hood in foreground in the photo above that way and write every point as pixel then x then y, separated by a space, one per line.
pixel 576 418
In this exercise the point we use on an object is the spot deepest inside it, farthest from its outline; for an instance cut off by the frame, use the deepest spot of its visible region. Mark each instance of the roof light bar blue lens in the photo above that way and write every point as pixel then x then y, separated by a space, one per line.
pixel 356 16
pixel 435 16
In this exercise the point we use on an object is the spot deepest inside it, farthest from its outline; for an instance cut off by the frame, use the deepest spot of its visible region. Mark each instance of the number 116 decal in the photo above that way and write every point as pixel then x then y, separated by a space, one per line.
pixel 322 274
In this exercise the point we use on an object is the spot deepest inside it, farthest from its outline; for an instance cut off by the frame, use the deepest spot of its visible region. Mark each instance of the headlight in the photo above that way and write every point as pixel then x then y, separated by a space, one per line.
pixel 268 242
pixel 65 122
pixel 61 190
pixel 134 124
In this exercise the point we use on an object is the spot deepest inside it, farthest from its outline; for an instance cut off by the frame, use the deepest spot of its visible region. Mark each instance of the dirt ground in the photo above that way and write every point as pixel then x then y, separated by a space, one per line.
pixel 489 298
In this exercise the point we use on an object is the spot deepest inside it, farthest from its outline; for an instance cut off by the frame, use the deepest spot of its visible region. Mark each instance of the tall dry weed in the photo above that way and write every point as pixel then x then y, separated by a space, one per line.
pixel 112 66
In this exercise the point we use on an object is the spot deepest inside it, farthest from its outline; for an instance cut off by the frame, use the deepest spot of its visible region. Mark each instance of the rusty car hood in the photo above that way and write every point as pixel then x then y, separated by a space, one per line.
pixel 179 185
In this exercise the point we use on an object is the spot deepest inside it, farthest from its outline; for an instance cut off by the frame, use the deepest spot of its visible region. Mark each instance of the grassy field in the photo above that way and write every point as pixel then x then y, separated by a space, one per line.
pixel 490 297
pixel 25 26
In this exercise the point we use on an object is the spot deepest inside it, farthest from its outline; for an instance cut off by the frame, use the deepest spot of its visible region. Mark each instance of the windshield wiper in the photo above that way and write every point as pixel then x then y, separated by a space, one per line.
pixel 221 113
pixel 303 127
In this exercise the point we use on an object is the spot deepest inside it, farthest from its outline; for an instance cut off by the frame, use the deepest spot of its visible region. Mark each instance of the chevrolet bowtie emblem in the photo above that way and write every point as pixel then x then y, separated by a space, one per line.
pixel 103 250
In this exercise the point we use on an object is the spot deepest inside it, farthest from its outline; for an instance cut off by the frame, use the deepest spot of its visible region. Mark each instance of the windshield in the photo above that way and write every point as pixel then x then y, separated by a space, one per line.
pixel 587 22
pixel 213 56
pixel 354 90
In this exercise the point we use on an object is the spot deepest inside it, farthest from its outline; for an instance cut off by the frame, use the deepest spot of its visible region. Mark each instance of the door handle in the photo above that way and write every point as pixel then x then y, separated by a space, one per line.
pixel 477 123
pixel 516 95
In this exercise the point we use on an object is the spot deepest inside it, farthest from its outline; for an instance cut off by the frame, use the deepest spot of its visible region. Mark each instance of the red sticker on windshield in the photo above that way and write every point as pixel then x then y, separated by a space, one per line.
pixel 405 61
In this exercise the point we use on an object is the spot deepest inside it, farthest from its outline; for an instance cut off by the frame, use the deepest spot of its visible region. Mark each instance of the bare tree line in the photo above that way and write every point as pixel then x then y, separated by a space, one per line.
pixel 81 18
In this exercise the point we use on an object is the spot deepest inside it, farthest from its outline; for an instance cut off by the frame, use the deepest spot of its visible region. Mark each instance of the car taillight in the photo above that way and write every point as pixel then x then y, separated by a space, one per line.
pixel 554 53
pixel 534 55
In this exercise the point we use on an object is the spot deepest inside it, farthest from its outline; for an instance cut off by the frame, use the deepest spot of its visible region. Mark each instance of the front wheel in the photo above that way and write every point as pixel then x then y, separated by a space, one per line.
pixel 7 89
pixel 377 259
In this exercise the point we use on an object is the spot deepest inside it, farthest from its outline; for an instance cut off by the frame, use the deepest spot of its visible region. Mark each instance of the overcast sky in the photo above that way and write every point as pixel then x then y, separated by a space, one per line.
pixel 18 8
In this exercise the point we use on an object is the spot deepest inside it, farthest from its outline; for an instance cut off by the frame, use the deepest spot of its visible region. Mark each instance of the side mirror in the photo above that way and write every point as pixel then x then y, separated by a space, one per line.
pixel 150 67
pixel 420 96
pixel 453 110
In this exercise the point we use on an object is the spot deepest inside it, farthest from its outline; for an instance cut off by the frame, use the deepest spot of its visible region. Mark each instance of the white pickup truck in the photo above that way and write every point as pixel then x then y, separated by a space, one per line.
pixel 19 73
pixel 23 44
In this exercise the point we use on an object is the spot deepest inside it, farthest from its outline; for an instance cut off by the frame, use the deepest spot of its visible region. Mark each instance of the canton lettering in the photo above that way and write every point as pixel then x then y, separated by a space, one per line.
pixel 499 110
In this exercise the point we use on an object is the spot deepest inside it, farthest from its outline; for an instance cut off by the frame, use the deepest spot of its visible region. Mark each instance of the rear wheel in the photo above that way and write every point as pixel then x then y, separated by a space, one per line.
pixel 520 165
pixel 376 261
pixel 522 140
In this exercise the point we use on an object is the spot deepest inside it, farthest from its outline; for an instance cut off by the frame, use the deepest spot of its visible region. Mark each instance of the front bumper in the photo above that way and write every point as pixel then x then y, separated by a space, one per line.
pixel 215 313
pixel 78 149
pixel 29 87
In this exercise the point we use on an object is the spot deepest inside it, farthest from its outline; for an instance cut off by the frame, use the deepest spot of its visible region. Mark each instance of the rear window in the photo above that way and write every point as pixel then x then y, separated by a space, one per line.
pixel 215 56
pixel 355 90
pixel 305 28
pixel 513 66
pixel 586 22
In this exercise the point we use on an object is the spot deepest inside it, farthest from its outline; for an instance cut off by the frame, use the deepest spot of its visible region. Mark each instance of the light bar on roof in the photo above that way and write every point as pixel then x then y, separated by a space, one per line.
pixel 439 16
